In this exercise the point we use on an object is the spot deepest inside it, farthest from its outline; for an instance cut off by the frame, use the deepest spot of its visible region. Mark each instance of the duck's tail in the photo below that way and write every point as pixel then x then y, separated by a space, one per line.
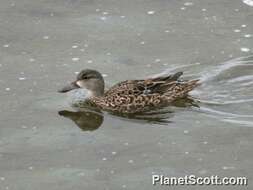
pixel 181 89
pixel 189 86
pixel 169 78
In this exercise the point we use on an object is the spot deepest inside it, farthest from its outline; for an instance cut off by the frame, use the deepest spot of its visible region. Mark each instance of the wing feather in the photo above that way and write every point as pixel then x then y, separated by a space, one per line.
pixel 148 86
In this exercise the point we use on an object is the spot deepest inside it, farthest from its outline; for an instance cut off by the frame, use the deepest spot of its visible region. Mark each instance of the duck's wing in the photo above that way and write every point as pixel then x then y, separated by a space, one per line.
pixel 158 85
pixel 124 88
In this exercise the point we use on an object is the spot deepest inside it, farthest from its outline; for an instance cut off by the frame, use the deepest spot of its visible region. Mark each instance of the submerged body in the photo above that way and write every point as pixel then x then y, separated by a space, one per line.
pixel 130 96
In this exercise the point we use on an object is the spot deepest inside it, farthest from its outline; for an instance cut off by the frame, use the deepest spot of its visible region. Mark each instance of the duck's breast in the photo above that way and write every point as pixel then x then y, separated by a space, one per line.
pixel 78 97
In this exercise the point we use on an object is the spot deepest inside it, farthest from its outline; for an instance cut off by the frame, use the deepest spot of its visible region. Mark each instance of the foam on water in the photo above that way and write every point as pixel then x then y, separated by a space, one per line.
pixel 248 2
pixel 245 49
pixel 247 35
pixel 75 59
pixel 151 12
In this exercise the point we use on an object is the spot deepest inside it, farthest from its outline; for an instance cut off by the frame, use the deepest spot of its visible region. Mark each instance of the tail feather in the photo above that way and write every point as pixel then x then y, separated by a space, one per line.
pixel 181 90
pixel 176 76
pixel 173 77
pixel 164 84
pixel 187 87
pixel 171 87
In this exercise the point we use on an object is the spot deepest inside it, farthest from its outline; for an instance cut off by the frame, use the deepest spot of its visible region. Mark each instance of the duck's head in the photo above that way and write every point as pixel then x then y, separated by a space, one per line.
pixel 88 79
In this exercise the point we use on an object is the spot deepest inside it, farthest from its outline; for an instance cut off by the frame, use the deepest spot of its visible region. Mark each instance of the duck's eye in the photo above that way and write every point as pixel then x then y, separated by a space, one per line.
pixel 85 77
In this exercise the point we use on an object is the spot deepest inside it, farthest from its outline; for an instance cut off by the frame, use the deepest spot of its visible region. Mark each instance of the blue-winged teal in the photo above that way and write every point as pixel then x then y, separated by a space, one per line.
pixel 131 96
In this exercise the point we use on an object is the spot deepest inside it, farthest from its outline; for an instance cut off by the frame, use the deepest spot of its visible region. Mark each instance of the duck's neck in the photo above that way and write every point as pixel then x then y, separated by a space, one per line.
pixel 97 93
pixel 96 88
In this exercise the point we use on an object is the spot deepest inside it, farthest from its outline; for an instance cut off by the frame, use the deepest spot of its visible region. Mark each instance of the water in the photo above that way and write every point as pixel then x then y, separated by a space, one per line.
pixel 43 44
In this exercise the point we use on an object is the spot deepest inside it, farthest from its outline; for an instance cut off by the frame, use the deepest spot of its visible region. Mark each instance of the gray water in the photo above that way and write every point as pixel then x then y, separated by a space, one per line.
pixel 43 44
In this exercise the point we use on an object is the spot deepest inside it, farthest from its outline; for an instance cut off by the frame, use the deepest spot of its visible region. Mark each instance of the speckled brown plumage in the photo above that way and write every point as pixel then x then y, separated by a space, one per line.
pixel 134 96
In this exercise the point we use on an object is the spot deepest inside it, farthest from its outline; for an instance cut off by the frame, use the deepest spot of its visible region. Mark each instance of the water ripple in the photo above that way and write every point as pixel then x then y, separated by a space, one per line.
pixel 227 91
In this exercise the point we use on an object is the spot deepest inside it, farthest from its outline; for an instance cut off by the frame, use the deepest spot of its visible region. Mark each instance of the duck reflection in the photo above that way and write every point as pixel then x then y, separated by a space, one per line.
pixel 88 119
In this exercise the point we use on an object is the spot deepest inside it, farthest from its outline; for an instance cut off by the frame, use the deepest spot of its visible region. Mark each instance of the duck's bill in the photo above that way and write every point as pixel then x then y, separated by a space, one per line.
pixel 69 87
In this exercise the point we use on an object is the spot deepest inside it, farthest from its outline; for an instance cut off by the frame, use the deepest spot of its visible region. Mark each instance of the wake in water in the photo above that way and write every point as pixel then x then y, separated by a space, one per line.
pixel 226 91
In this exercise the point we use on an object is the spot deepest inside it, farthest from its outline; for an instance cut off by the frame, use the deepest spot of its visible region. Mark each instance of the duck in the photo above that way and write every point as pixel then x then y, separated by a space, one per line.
pixel 130 96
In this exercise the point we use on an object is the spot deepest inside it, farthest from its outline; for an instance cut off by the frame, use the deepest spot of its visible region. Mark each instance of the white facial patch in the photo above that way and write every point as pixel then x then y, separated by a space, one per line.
pixel 79 83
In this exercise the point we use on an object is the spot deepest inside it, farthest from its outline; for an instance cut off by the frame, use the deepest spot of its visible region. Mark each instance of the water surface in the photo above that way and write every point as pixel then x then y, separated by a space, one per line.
pixel 43 44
